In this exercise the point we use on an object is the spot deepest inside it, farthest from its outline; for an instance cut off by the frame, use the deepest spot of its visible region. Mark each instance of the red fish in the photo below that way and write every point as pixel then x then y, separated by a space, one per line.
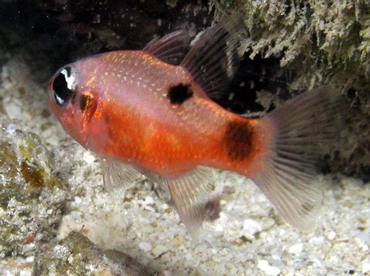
pixel 151 112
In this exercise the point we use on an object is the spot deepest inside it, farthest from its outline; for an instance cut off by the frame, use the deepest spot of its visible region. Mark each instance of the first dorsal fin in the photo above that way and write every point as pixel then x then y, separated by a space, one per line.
pixel 215 57
pixel 171 48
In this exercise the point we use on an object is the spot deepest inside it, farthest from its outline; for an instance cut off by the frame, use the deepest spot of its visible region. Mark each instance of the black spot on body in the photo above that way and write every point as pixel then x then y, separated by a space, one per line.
pixel 179 93
pixel 238 140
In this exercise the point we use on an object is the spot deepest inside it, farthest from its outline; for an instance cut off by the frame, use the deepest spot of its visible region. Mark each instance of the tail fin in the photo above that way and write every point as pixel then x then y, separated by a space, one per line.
pixel 301 129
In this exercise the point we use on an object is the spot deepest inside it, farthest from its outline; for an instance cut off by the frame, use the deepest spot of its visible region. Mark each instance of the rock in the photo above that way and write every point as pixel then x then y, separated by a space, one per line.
pixel 32 198
pixel 76 255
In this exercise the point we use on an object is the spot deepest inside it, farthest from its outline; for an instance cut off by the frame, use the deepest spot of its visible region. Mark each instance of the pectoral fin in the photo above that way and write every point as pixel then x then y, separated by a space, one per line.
pixel 118 177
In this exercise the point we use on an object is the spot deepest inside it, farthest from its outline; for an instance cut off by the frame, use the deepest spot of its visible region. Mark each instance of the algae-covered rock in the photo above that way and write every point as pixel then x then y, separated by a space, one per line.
pixel 76 255
pixel 314 35
pixel 31 196
pixel 306 44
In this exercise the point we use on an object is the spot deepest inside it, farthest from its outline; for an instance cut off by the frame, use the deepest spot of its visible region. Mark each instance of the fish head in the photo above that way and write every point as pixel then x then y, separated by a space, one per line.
pixel 72 101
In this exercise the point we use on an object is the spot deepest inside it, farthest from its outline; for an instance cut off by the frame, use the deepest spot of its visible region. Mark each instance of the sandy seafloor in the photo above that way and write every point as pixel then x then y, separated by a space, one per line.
pixel 249 238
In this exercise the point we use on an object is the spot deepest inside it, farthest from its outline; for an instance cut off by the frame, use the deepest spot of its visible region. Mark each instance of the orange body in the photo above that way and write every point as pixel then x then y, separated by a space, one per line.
pixel 141 113
pixel 133 120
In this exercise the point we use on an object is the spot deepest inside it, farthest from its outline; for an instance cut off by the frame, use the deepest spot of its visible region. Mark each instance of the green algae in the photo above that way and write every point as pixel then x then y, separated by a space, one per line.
pixel 31 196
pixel 25 167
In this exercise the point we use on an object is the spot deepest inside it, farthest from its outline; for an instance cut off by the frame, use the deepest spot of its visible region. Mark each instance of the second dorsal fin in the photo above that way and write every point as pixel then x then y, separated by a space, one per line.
pixel 171 48
pixel 215 57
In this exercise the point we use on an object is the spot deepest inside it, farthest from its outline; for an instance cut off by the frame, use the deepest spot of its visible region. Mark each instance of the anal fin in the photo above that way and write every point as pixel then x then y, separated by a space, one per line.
pixel 192 194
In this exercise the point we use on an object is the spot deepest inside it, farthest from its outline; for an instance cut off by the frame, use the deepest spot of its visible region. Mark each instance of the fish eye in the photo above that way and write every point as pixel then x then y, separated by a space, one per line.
pixel 64 86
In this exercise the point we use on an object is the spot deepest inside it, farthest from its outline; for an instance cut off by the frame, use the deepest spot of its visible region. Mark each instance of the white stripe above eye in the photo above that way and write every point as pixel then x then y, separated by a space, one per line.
pixel 70 80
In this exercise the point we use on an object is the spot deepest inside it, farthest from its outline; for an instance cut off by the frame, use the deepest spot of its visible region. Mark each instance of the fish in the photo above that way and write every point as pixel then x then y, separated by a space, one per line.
pixel 154 112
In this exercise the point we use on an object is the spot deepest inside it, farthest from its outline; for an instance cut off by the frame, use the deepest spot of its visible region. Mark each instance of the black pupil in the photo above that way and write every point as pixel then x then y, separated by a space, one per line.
pixel 62 93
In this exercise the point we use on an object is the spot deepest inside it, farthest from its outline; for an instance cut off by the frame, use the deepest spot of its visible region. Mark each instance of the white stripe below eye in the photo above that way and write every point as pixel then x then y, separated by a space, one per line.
pixel 59 99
